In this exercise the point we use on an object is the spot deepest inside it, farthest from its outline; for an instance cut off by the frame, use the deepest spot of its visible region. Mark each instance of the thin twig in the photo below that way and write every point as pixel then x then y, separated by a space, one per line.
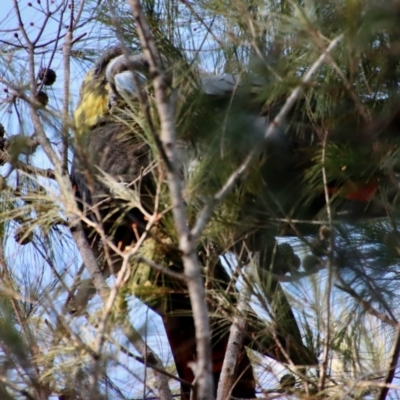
pixel 142 360
pixel 162 269
pixel 329 267
pixel 46 173
pixel 67 47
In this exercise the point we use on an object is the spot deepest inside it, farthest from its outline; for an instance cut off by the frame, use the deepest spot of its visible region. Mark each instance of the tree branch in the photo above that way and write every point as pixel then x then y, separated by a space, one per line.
pixel 192 269
pixel 235 343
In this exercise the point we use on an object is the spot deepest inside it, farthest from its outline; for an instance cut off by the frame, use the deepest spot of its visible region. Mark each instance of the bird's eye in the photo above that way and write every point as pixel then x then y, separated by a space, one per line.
pixel 97 70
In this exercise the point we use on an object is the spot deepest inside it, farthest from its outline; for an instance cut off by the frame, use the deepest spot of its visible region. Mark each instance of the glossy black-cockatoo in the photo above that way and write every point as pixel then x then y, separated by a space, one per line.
pixel 107 145
pixel 222 124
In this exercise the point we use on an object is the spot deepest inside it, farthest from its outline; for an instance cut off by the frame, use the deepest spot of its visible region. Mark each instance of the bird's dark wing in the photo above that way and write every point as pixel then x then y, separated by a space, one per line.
pixel 109 149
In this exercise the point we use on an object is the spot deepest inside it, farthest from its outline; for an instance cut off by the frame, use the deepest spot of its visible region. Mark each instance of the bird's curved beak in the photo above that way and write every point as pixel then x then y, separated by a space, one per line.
pixel 125 75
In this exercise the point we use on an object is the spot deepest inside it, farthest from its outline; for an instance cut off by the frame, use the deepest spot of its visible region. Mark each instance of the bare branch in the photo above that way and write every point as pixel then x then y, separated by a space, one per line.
pixel 235 343
pixel 329 267
pixel 191 264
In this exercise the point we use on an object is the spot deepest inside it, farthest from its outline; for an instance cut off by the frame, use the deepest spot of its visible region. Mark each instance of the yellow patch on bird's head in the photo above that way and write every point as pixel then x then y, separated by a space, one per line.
pixel 93 103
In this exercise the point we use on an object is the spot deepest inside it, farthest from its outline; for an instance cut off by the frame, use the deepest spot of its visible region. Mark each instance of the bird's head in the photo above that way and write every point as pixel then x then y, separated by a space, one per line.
pixel 114 77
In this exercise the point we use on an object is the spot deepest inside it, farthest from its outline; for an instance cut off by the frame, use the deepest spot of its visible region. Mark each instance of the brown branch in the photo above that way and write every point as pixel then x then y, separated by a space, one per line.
pixel 162 269
pixel 46 173
pixel 329 266
pixel 192 269
pixel 234 346
pixel 67 47
pixel 16 388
